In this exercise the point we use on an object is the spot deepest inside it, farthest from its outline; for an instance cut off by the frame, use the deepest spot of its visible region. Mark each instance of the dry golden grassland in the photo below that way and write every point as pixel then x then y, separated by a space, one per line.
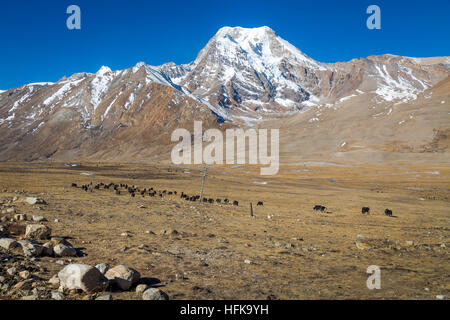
pixel 294 252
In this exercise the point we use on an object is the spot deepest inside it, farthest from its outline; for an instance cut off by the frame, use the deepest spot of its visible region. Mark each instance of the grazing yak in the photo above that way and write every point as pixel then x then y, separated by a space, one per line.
pixel 365 210
pixel 235 203
pixel 74 185
pixel 388 212
pixel 320 208
pixel 260 203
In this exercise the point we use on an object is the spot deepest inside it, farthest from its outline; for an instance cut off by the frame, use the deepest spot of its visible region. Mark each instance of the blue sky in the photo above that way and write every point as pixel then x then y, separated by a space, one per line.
pixel 36 46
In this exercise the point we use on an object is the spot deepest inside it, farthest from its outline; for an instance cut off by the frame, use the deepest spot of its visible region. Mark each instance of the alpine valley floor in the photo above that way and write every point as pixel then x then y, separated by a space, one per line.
pixel 286 251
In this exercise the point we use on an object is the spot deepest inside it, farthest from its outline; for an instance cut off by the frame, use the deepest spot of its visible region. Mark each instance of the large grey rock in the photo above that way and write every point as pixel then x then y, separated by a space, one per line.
pixel 122 276
pixel 9 244
pixel 154 294
pixel 62 250
pixel 37 231
pixel 83 277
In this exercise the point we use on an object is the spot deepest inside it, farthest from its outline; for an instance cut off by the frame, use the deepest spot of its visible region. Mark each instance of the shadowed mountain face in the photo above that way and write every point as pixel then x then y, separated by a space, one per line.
pixel 243 76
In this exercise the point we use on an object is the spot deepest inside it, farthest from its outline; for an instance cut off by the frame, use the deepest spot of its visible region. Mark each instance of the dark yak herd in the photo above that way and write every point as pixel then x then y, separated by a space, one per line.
pixel 364 210
pixel 133 191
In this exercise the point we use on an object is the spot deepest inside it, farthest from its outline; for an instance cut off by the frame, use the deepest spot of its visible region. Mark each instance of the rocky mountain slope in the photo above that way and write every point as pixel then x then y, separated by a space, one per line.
pixel 241 77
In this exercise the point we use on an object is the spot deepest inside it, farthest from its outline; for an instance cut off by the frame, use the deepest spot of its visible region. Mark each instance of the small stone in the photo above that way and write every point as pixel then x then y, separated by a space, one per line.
pixel 140 288
pixel 125 234
pixel 32 297
pixel 247 261
pixel 60 240
pixel 149 232
pixel 37 231
pixel 11 210
pixel 441 297
pixel 57 220
pixel 31 249
pixel 409 243
pixel 57 295
pixel 24 274
pixel 61 262
pixel 102 267
pixel 122 276
pixel 154 294
pixel 34 200
pixel 38 218
pixel 169 232
pixel 11 271
pixel 104 297
pixel 62 250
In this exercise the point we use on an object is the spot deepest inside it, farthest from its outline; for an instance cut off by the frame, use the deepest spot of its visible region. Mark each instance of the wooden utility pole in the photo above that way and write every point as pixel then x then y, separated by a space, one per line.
pixel 251 210
pixel 205 172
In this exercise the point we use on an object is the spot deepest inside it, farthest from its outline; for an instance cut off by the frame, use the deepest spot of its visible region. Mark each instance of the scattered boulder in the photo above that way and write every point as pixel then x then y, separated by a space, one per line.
pixel 140 288
pixel 60 240
pixel 122 276
pixel 169 232
pixel 31 249
pixel 34 200
pixel 9 244
pixel 57 295
pixel 83 277
pixel 102 267
pixel 154 294
pixel 38 218
pixel 104 297
pixel 37 231
pixel 25 274
pixel 11 271
pixel 62 250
